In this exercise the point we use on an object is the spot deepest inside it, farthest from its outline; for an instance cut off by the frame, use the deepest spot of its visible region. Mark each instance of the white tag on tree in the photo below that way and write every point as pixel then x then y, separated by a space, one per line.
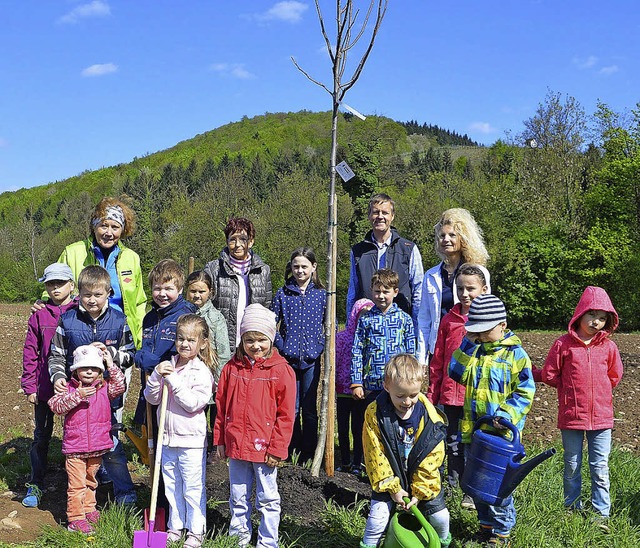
pixel 345 171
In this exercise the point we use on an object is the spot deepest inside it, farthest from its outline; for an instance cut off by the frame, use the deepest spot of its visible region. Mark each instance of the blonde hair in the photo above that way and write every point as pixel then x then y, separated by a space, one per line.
pixel 199 326
pixel 167 270
pixel 403 369
pixel 100 212
pixel 241 352
pixel 470 234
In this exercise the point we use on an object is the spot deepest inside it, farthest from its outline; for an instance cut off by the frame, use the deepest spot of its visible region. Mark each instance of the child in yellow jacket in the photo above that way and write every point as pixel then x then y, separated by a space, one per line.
pixel 403 441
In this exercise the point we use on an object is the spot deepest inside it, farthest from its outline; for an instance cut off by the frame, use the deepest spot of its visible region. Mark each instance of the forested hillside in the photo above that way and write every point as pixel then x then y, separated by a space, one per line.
pixel 556 217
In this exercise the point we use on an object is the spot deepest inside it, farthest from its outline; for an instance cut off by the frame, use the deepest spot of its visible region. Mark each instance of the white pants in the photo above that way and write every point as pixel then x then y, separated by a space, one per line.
pixel 183 471
pixel 380 513
pixel 241 476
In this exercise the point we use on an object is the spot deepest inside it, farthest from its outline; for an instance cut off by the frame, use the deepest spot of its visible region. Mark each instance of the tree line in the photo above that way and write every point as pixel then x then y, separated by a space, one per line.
pixel 557 216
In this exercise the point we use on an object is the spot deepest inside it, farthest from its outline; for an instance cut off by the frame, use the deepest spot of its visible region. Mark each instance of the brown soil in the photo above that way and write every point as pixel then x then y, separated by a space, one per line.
pixel 302 495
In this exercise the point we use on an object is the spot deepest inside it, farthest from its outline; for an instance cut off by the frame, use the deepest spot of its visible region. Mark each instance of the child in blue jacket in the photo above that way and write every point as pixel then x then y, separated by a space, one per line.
pixel 300 308
pixel 159 325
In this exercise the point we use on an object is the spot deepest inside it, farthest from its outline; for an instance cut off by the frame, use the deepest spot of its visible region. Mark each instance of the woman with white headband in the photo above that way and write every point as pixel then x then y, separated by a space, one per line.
pixel 112 220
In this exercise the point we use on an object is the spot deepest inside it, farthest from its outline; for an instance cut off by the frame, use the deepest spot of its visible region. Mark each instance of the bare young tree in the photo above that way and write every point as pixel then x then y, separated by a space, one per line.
pixel 348 33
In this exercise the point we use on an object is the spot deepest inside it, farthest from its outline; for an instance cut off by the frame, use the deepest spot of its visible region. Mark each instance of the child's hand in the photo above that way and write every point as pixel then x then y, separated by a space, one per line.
pixel 498 425
pixel 100 346
pixel 397 498
pixel 32 398
pixel 272 461
pixel 86 391
pixel 38 305
pixel 60 386
pixel 107 358
pixel 164 368
pixel 357 393
pixel 220 452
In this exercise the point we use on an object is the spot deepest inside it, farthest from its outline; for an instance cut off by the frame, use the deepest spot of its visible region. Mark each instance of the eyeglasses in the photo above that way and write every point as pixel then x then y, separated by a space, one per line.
pixel 237 241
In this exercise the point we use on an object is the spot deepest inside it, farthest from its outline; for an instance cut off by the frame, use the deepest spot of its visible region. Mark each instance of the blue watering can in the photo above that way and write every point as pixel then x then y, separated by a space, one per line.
pixel 493 468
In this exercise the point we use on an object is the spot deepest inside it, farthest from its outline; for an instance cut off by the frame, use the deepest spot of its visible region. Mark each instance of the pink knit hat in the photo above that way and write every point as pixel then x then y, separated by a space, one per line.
pixel 258 318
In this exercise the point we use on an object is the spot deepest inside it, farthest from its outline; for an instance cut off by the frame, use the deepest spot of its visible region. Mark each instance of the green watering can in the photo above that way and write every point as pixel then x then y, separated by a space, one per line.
pixel 410 530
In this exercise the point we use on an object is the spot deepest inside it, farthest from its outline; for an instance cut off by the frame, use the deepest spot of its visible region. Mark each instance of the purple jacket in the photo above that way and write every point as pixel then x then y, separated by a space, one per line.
pixel 40 330
pixel 344 345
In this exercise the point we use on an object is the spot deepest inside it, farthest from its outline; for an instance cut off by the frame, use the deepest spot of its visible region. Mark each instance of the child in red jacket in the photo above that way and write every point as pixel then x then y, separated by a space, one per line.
pixel 471 281
pixel 256 401
pixel 87 425
pixel 584 365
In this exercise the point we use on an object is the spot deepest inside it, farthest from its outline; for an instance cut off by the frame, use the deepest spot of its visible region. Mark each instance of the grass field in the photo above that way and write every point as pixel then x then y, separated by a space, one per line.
pixel 542 519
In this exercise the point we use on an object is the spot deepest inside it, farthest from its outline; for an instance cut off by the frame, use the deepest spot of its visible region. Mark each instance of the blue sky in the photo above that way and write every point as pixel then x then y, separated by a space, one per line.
pixel 92 83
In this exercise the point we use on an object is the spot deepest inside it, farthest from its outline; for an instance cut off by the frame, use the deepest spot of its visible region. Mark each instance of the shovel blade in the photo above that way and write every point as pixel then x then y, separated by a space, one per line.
pixel 160 519
pixel 149 539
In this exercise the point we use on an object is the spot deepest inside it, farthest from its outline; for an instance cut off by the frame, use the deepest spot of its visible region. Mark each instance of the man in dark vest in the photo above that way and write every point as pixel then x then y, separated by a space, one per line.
pixel 383 247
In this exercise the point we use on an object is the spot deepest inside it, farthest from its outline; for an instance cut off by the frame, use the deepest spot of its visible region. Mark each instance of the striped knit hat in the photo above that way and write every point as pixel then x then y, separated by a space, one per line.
pixel 485 312
pixel 258 318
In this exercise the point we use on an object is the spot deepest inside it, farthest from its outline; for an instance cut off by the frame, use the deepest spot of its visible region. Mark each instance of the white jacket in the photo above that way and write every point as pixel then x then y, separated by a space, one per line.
pixel 190 389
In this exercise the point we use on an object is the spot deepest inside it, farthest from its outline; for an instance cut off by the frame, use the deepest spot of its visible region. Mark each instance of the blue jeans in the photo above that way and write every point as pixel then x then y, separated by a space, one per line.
pixel 305 427
pixel 43 417
pixel 115 463
pixel 501 519
pixel 242 475
pixel 599 447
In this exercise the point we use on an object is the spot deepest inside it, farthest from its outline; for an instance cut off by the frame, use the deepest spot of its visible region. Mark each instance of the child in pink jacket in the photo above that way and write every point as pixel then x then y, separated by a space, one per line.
pixel 87 426
pixel 346 404
pixel 584 366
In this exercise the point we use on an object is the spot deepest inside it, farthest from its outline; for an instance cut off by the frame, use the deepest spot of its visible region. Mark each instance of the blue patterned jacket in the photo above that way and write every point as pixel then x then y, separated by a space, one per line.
pixel 378 338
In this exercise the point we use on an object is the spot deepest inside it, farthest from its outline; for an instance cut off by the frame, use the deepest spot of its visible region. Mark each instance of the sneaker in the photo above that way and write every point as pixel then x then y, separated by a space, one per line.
pixel 93 517
pixel 445 543
pixel 81 526
pixel 193 541
pixel 483 535
pixel 174 536
pixel 602 522
pixel 499 540
pixel 359 471
pixel 467 503
pixel 34 494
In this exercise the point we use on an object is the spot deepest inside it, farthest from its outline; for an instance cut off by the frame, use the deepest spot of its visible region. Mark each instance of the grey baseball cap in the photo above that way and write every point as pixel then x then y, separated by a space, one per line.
pixel 57 271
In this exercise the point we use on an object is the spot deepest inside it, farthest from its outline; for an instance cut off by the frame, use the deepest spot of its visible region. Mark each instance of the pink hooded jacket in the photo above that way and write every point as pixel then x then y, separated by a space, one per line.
pixel 585 375
pixel 344 346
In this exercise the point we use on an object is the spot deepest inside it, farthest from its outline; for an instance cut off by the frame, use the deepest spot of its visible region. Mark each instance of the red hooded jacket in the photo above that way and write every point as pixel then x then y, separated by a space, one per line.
pixel 442 389
pixel 256 408
pixel 585 375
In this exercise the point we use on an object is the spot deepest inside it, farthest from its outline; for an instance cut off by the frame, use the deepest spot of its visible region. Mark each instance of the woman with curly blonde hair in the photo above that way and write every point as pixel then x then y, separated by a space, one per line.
pixel 458 240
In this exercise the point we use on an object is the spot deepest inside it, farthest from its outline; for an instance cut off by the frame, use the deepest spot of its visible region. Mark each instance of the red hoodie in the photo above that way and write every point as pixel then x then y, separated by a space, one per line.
pixel 585 375
pixel 442 389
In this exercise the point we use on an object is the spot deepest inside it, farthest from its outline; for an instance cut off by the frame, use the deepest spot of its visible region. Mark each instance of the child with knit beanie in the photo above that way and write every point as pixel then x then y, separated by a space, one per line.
pixel 256 408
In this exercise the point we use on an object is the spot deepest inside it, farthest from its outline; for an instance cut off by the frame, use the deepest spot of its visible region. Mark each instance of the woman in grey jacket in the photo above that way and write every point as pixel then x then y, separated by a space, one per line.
pixel 240 277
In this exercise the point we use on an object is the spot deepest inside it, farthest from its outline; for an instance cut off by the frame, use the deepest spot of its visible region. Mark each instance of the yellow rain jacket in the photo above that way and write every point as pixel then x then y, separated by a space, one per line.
pixel 382 459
